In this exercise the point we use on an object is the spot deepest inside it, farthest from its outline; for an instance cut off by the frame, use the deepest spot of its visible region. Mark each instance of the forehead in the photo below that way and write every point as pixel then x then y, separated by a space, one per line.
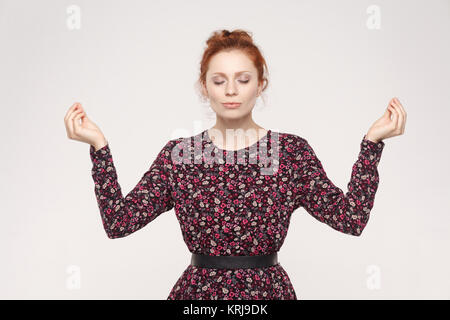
pixel 230 63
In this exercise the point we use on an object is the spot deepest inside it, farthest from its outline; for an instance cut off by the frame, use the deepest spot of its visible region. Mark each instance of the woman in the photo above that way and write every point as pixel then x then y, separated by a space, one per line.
pixel 234 218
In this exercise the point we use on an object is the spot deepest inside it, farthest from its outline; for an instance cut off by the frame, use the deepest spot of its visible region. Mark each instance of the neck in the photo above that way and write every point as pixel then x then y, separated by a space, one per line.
pixel 241 133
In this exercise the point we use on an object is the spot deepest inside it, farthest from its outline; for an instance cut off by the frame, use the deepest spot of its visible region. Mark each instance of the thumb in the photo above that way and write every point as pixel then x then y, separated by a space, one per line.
pixel 76 123
pixel 388 112
pixel 84 117
pixel 76 118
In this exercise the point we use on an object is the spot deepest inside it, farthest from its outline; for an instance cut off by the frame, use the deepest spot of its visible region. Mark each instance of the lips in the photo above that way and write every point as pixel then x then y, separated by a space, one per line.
pixel 231 105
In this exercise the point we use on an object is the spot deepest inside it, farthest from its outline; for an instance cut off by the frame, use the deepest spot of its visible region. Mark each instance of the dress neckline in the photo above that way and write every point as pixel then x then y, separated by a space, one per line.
pixel 208 138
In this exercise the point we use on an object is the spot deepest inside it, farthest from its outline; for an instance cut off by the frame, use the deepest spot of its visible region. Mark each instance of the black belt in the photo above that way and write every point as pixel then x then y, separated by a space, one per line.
pixel 233 262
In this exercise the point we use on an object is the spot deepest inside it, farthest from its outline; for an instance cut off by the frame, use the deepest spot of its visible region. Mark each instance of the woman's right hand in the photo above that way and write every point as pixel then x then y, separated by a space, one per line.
pixel 86 131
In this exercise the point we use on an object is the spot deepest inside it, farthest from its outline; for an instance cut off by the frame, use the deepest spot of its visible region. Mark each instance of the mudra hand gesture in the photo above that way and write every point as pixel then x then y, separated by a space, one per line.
pixel 385 127
pixel 86 131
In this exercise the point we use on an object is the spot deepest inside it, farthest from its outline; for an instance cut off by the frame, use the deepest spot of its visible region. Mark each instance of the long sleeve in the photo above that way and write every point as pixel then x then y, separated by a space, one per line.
pixel 347 213
pixel 152 196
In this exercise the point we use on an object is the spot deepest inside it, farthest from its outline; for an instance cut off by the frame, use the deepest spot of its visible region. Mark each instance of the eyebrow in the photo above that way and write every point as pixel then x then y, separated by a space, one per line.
pixel 223 74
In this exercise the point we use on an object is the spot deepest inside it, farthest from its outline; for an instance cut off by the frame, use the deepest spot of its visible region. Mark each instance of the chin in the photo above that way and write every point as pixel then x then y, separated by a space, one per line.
pixel 233 113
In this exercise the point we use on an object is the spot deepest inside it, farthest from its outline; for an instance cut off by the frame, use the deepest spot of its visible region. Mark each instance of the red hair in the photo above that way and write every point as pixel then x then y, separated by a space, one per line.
pixel 238 39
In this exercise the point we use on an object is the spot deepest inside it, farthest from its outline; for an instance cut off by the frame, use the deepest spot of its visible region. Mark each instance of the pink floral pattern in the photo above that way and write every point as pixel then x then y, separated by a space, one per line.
pixel 234 209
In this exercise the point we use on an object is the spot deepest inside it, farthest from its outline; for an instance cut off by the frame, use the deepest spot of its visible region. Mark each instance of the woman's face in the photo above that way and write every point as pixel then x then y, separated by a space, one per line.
pixel 232 77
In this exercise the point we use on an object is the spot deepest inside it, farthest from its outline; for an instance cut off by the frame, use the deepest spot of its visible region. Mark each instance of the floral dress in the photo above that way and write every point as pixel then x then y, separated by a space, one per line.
pixel 240 208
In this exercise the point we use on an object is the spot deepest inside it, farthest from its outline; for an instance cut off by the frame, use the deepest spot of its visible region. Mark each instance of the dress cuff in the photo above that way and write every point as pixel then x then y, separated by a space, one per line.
pixel 101 156
pixel 371 151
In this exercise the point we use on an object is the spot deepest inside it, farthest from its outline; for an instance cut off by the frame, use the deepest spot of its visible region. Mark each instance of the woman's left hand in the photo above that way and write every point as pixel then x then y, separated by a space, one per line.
pixel 385 127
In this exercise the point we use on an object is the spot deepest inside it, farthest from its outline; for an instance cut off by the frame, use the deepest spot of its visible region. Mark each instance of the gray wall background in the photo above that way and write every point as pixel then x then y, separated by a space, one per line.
pixel 133 64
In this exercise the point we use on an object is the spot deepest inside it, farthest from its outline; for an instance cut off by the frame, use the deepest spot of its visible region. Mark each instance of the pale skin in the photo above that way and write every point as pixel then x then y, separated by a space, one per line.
pixel 232 77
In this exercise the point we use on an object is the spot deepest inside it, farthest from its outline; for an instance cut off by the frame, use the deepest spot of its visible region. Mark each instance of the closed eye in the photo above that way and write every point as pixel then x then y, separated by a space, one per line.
pixel 241 81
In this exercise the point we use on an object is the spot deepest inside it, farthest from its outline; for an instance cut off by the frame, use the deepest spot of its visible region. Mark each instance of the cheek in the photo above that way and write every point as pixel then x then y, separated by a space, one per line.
pixel 215 93
pixel 249 93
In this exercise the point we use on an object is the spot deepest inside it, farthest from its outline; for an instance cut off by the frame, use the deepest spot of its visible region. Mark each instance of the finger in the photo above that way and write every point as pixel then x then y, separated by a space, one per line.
pixel 391 112
pixel 70 123
pixel 403 115
pixel 76 108
pixel 76 123
pixel 394 117
pixel 391 102
pixel 71 109
pixel 78 115
pixel 82 110
pixel 399 105
pixel 397 100
pixel 402 108
pixel 387 113
pixel 400 117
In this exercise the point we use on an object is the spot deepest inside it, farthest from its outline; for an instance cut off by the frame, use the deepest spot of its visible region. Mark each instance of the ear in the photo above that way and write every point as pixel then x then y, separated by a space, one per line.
pixel 204 91
pixel 259 89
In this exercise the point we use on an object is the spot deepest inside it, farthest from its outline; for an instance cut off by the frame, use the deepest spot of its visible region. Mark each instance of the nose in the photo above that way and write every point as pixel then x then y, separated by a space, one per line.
pixel 231 88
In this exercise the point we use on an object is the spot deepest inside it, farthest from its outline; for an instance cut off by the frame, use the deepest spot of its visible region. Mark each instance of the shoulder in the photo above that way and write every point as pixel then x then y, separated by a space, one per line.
pixel 296 148
pixel 178 149
pixel 171 143
pixel 292 142
pixel 182 142
pixel 167 148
